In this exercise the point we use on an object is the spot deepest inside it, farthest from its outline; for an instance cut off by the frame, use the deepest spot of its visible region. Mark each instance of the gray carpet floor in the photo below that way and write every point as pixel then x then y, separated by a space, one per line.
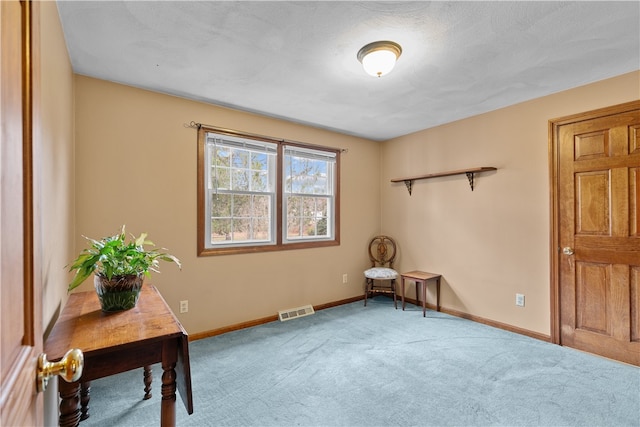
pixel 375 366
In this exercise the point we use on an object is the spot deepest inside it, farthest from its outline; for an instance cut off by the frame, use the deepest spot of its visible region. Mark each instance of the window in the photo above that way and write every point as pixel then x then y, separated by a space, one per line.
pixel 308 193
pixel 262 194
pixel 241 190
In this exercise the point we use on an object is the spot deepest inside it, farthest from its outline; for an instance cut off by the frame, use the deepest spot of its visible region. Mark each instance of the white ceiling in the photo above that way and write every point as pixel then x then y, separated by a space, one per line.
pixel 297 60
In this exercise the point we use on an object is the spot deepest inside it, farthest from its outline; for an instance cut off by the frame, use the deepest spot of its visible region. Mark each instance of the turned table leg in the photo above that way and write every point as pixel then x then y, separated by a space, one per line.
pixel 85 396
pixel 168 405
pixel 69 404
pixel 148 378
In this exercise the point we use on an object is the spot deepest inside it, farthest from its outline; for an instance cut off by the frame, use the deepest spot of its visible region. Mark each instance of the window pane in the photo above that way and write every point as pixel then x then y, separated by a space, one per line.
pixel 309 228
pixel 220 205
pixel 315 227
pixel 307 217
pixel 220 179
pixel 240 217
pixel 261 229
pixel 241 206
pixel 221 156
pixel 294 227
pixel 321 206
pixel 294 206
pixel 259 161
pixel 306 176
pixel 260 181
pixel 241 159
pixel 262 206
pixel 220 230
pixel 240 180
pixel 241 229
pixel 322 229
pixel 308 206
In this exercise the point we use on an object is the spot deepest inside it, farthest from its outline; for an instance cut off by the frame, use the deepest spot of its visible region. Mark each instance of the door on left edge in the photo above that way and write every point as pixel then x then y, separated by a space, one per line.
pixel 20 298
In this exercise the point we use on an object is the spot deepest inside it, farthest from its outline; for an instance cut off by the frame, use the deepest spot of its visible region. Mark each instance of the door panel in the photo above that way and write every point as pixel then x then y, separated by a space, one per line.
pixel 20 305
pixel 596 188
pixel 591 145
pixel 593 286
pixel 592 203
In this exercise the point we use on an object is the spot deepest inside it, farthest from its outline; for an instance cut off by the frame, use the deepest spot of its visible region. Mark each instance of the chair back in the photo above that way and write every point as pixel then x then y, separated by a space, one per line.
pixel 382 251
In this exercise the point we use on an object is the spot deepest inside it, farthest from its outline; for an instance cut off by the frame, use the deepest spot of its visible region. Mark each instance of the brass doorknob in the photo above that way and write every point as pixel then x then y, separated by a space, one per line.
pixel 567 250
pixel 69 368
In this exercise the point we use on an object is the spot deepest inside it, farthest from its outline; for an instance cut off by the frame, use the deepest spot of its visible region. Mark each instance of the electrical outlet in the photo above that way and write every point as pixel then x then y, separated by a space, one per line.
pixel 344 278
pixel 184 306
pixel 520 300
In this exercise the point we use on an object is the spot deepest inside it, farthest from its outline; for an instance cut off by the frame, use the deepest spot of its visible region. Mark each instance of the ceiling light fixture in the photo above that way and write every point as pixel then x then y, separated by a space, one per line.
pixel 379 58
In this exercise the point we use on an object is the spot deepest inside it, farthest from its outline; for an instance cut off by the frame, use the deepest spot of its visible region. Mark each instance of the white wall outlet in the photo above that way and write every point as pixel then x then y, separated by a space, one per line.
pixel 345 279
pixel 184 306
pixel 520 300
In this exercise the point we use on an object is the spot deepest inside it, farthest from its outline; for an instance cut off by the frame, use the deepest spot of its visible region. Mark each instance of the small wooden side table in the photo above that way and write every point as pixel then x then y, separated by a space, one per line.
pixel 422 277
pixel 117 342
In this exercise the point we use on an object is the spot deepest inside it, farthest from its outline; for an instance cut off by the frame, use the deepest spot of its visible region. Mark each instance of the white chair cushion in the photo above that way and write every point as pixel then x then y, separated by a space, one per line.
pixel 381 273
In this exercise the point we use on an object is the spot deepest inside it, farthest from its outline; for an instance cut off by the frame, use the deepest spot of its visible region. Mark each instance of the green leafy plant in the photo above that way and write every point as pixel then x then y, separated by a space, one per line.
pixel 114 256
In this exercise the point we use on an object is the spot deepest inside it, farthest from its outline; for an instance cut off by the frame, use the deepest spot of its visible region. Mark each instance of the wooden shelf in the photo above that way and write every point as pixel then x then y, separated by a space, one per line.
pixel 469 172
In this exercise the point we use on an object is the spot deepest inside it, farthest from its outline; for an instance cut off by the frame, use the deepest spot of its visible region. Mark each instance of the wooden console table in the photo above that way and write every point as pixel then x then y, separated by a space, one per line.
pixel 117 342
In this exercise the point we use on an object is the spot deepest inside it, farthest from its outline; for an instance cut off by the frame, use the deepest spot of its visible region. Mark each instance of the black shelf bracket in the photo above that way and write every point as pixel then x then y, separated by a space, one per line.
pixel 470 178
pixel 409 184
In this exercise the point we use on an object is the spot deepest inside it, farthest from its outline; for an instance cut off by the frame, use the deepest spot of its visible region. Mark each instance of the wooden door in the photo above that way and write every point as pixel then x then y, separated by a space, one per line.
pixel 20 305
pixel 597 231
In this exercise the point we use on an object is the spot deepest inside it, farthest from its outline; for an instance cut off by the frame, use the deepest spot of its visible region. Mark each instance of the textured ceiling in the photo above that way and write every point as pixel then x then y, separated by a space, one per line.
pixel 297 60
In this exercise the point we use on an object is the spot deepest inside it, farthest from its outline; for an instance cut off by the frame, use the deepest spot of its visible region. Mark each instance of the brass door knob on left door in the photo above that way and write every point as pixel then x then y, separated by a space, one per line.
pixel 567 250
pixel 69 368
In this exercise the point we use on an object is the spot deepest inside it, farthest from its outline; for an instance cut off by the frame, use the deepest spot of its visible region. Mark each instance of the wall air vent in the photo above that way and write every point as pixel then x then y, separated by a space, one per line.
pixel 292 313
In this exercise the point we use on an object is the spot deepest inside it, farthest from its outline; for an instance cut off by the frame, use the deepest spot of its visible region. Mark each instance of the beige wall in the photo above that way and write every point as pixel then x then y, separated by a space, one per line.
pixel 136 165
pixel 491 243
pixel 57 197
pixel 54 161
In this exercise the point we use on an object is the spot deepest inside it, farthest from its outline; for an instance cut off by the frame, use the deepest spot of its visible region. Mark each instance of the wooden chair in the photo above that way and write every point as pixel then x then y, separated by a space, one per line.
pixel 381 277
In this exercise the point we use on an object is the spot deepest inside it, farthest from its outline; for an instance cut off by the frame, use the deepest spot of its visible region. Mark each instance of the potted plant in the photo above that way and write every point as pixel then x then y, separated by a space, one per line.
pixel 119 268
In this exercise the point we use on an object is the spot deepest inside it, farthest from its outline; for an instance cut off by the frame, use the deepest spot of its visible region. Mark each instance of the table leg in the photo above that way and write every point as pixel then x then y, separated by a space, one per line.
pixel 438 294
pixel 85 396
pixel 148 378
pixel 69 404
pixel 424 298
pixel 168 404
pixel 395 288
pixel 366 291
pixel 402 293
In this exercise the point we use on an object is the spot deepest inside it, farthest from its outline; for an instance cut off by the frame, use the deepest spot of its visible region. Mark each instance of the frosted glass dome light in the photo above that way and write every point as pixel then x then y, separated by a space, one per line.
pixel 379 58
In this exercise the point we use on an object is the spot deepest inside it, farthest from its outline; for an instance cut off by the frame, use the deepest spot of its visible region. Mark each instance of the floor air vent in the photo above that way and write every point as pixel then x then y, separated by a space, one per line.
pixel 292 313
